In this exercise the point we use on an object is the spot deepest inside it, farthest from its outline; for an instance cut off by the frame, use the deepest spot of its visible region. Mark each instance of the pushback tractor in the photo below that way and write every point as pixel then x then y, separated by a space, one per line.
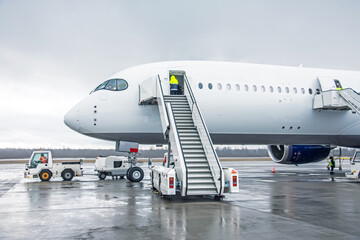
pixel 41 165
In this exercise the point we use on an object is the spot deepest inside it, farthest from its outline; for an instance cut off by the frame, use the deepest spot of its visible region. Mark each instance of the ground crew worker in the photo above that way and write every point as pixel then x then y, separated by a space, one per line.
pixel 331 164
pixel 43 159
pixel 174 85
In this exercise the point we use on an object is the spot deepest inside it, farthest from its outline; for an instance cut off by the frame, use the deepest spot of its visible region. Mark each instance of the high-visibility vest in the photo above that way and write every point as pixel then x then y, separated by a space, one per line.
pixel 332 163
pixel 173 80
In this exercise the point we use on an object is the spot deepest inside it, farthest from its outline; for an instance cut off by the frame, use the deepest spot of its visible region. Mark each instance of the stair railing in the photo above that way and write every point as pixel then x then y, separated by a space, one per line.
pixel 205 138
pixel 164 117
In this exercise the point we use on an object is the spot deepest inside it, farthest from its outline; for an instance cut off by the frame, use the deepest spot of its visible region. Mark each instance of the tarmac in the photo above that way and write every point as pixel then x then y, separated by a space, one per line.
pixel 302 202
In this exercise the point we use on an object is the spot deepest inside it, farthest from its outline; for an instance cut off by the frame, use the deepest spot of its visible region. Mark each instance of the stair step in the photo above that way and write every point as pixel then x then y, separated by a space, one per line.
pixel 206 186
pixel 197 146
pixel 201 181
pixel 194 138
pixel 195 154
pixel 176 111
pixel 201 192
pixel 190 143
pixel 188 130
pixel 183 118
pixel 188 134
pixel 194 150
pixel 193 175
pixel 199 170
pixel 189 160
pixel 184 125
pixel 197 165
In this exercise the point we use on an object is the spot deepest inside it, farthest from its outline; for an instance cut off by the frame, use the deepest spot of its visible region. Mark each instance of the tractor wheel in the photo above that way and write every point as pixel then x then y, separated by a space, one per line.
pixel 45 175
pixel 102 175
pixel 67 174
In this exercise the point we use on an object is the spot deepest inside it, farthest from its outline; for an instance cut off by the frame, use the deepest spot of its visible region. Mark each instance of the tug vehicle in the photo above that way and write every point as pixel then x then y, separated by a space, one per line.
pixel 41 166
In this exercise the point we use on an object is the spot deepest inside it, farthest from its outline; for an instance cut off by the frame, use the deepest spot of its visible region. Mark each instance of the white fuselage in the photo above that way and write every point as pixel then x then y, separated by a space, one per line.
pixel 248 104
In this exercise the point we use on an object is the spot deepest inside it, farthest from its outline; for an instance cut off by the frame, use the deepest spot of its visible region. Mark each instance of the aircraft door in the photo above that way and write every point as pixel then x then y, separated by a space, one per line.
pixel 179 76
pixel 329 83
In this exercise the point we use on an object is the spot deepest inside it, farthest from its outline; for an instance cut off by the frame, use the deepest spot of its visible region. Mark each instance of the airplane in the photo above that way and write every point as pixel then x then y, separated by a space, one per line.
pixel 299 113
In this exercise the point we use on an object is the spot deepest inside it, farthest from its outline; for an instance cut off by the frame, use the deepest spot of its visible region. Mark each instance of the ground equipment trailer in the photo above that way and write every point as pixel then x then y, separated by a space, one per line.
pixel 41 166
pixel 121 166
pixel 118 166
pixel 354 166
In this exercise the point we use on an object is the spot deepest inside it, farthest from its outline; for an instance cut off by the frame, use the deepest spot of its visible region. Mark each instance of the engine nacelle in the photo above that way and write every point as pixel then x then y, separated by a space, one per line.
pixel 298 154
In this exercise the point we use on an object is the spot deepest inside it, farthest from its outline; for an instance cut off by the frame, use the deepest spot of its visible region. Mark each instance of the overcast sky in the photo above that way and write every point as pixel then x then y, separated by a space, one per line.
pixel 53 53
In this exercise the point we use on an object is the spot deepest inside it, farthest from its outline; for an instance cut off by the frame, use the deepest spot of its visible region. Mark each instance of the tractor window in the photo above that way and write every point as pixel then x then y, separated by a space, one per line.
pixel 38 158
pixel 117 164
pixel 357 157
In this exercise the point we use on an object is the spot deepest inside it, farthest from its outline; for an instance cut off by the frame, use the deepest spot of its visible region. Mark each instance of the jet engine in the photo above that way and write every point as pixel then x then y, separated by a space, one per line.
pixel 298 154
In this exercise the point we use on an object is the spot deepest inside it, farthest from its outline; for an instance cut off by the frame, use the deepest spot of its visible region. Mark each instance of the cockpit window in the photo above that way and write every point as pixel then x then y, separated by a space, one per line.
pixel 101 86
pixel 121 84
pixel 113 85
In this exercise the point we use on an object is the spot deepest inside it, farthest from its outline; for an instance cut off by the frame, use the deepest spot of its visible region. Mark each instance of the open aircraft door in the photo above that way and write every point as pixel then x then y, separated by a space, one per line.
pixel 329 83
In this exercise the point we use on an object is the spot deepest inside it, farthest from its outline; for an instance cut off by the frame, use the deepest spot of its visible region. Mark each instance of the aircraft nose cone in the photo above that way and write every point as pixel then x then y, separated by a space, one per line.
pixel 71 119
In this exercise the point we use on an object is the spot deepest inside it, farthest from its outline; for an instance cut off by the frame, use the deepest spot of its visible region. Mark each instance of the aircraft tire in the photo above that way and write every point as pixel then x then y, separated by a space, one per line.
pixel 135 174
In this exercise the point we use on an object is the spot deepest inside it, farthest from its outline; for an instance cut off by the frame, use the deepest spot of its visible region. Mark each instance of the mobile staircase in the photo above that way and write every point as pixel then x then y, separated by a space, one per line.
pixel 193 162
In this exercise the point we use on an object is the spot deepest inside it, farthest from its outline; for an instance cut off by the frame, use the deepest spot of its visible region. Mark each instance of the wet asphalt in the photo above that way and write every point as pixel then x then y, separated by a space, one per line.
pixel 302 202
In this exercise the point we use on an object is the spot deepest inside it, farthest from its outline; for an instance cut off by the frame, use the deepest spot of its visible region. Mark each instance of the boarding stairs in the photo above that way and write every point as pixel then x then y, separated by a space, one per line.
pixel 344 99
pixel 352 98
pixel 196 162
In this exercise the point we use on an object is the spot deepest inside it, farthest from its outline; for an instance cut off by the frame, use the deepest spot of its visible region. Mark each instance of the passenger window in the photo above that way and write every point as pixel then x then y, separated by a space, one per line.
pixel 219 86
pixel 279 89
pixel 271 89
pixel 254 88
pixel 200 85
pixel 121 84
pixel 262 88
pixel 246 87
pixel 210 86
pixel 302 90
pixel 237 87
pixel 310 91
pixel 287 90
pixel 111 85
pixel 295 90
pixel 228 86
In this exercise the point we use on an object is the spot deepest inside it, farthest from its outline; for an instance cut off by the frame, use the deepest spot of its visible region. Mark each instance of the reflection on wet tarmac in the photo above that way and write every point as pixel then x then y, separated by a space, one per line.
pixel 298 202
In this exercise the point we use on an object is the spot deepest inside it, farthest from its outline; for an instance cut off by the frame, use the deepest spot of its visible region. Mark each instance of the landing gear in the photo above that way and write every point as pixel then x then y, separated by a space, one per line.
pixel 135 174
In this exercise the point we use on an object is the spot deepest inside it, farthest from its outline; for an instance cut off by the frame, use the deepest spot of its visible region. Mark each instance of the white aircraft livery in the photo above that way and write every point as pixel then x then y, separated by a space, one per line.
pixel 300 113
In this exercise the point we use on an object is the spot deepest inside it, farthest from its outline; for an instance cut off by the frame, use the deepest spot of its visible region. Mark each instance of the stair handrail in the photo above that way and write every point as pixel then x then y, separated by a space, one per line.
pixel 348 92
pixel 178 150
pixel 164 117
pixel 204 135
